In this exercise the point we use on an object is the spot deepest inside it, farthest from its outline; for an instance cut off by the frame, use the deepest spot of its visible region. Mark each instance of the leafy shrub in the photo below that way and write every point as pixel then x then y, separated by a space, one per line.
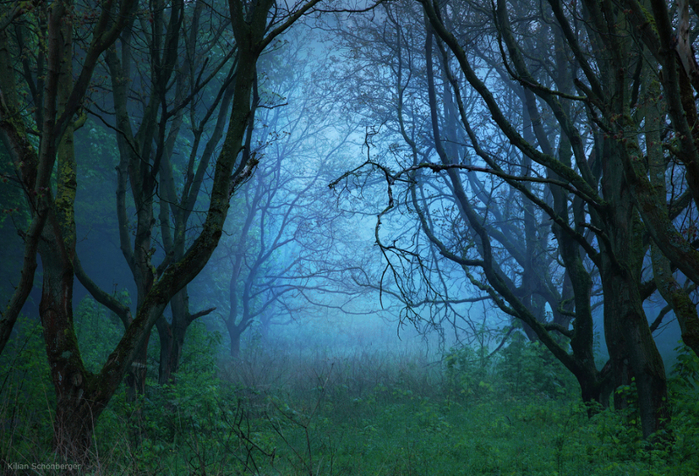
pixel 98 331
pixel 467 374
pixel 684 396
pixel 26 395
pixel 524 368
pixel 519 369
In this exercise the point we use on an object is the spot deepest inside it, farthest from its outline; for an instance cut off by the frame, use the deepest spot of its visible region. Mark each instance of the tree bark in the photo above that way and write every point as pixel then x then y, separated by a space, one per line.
pixel 629 340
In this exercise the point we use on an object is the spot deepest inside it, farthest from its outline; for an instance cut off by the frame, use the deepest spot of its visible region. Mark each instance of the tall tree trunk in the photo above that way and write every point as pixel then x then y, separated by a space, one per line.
pixel 235 332
pixel 72 422
pixel 169 354
pixel 632 349
pixel 137 374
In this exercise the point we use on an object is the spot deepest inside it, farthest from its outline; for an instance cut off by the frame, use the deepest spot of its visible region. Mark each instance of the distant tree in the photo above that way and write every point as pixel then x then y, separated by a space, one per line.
pixel 433 294
pixel 283 233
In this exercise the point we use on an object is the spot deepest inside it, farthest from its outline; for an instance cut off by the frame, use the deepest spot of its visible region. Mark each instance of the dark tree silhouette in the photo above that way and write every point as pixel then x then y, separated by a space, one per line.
pixel 81 395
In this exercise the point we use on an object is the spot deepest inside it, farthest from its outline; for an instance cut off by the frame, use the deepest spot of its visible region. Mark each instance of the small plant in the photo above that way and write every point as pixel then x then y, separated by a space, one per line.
pixel 466 374
pixel 524 369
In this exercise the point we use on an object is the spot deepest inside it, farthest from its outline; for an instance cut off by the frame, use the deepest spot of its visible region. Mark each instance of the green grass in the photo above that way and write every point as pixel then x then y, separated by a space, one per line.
pixel 371 413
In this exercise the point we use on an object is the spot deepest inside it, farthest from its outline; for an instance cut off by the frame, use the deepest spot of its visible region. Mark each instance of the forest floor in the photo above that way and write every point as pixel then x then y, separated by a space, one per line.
pixel 369 413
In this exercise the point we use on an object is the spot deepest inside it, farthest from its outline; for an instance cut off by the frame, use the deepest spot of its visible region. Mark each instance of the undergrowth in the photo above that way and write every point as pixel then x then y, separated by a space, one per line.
pixel 313 413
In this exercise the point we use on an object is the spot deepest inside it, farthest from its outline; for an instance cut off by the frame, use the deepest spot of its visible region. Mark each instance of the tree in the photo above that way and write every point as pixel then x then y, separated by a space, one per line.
pixel 46 94
pixel 601 169
pixel 473 223
pixel 81 395
pixel 282 239
pixel 152 90
pixel 584 153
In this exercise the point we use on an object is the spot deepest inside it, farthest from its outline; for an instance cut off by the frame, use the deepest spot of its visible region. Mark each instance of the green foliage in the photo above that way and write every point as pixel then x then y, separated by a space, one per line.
pixel 529 369
pixel 684 396
pixel 323 414
pixel 520 369
pixel 148 434
pixel 686 369
pixel 467 373
pixel 98 331
pixel 191 403
pixel 26 394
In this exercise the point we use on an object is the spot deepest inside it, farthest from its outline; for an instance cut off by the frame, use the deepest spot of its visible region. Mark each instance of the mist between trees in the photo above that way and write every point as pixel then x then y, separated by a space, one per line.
pixel 205 203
